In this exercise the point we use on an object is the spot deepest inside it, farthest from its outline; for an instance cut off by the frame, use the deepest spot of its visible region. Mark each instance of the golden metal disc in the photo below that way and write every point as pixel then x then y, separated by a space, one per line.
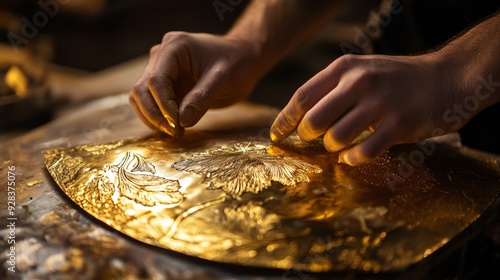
pixel 238 198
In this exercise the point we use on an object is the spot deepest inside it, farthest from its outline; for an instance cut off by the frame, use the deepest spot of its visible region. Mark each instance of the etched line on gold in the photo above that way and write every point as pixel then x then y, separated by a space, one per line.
pixel 137 181
pixel 190 211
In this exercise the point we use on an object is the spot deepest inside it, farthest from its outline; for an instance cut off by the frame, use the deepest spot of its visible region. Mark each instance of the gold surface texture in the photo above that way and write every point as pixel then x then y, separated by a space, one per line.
pixel 234 197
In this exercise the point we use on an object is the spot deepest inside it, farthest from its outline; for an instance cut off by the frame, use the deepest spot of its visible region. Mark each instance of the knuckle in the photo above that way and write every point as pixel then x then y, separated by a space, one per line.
pixel 154 50
pixel 346 61
pixel 202 96
pixel 368 76
pixel 136 91
pixel 302 100
pixel 154 82
pixel 398 124
pixel 287 120
pixel 221 72
pixel 175 36
pixel 370 152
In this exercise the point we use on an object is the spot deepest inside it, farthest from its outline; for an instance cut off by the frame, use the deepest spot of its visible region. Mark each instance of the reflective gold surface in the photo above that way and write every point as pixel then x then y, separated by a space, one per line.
pixel 245 167
pixel 237 198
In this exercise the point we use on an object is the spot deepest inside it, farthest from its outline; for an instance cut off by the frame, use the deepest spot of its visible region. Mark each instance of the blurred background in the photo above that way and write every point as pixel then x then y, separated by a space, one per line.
pixel 90 48
pixel 93 48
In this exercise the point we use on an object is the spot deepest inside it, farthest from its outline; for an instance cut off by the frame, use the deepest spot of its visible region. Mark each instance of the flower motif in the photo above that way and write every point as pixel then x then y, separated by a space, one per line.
pixel 134 178
pixel 245 167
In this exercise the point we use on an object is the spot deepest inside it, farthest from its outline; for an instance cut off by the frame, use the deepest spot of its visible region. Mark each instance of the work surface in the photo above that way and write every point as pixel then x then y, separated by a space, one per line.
pixel 55 237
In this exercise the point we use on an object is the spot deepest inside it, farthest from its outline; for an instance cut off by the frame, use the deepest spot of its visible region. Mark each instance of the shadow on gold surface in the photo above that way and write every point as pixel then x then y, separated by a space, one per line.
pixel 236 198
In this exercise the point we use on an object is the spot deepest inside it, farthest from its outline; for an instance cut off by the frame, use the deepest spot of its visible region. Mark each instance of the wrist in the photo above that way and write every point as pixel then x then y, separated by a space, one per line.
pixel 465 75
pixel 255 63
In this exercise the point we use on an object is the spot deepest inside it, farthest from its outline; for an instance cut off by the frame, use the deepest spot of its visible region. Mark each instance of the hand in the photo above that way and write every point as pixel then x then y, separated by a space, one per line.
pixel 401 99
pixel 189 73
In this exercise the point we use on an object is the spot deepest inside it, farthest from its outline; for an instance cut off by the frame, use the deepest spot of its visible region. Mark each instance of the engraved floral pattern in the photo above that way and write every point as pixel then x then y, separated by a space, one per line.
pixel 245 167
pixel 134 178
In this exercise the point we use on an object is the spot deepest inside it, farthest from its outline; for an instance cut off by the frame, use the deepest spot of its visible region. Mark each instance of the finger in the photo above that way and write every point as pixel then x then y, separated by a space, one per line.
pixel 303 100
pixel 350 126
pixel 142 102
pixel 322 115
pixel 201 97
pixel 140 98
pixel 138 112
pixel 161 82
pixel 150 113
pixel 380 141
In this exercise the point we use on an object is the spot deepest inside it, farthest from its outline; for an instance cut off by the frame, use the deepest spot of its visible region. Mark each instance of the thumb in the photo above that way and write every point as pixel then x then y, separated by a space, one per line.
pixel 200 98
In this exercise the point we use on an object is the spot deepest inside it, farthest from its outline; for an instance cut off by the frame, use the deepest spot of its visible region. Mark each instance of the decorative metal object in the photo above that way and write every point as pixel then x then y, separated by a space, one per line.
pixel 236 198
pixel 245 167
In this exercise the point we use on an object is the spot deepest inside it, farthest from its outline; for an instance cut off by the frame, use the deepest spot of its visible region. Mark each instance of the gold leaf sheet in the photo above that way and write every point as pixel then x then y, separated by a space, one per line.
pixel 237 198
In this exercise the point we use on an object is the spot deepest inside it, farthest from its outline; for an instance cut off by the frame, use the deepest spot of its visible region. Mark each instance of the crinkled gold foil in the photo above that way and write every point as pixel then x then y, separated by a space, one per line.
pixel 236 198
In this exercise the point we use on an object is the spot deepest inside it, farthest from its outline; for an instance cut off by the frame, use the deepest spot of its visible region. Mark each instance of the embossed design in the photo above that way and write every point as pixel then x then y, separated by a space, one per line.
pixel 246 167
pixel 134 178
pixel 343 218
pixel 66 168
pixel 255 218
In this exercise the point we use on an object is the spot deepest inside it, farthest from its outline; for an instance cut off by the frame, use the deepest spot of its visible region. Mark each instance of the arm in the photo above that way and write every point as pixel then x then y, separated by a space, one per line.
pixel 400 98
pixel 276 27
pixel 189 73
pixel 477 56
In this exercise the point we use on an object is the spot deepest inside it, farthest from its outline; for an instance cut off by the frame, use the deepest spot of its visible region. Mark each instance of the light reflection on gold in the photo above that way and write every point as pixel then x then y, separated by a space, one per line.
pixel 304 211
pixel 33 183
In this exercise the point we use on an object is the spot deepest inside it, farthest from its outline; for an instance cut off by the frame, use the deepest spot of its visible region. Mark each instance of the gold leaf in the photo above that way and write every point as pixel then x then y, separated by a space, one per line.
pixel 246 167
pixel 142 186
pixel 99 188
pixel 253 217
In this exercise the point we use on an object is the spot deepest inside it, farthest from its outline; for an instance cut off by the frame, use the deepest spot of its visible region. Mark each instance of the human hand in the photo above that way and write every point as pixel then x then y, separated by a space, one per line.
pixel 401 99
pixel 189 73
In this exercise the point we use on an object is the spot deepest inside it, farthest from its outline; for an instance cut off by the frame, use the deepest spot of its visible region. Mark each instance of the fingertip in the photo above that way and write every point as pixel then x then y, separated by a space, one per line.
pixel 363 152
pixel 331 144
pixel 306 133
pixel 167 129
pixel 275 135
pixel 353 157
pixel 282 127
pixel 189 116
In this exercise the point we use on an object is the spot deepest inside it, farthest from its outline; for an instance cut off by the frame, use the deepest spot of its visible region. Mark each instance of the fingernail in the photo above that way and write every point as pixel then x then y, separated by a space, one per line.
pixel 344 158
pixel 170 121
pixel 188 116
pixel 275 134
pixel 167 129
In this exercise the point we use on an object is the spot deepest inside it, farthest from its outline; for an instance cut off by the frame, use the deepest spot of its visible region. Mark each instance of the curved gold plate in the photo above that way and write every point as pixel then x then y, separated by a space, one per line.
pixel 237 198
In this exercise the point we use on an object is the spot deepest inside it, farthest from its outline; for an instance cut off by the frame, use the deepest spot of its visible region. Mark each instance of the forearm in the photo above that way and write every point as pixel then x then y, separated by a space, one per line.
pixel 274 28
pixel 475 61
